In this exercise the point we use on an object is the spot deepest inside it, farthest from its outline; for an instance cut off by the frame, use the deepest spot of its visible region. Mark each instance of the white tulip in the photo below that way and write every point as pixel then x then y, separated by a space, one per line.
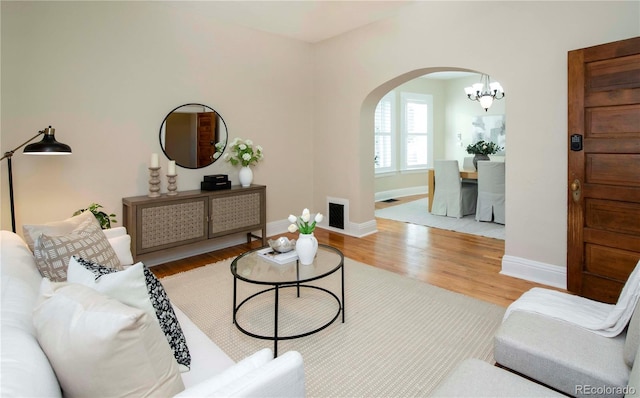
pixel 246 157
pixel 248 142
pixel 242 147
pixel 319 217
pixel 226 156
pixel 292 228
pixel 306 216
pixel 292 219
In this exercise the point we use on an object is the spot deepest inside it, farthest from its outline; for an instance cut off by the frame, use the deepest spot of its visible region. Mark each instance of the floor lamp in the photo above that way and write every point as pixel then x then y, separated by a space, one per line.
pixel 48 146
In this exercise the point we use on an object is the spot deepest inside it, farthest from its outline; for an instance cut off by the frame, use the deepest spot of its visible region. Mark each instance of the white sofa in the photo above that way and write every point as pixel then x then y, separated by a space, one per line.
pixel 26 370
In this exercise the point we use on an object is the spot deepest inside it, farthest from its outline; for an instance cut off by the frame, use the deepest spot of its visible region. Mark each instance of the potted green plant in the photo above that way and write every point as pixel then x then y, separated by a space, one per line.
pixel 482 149
pixel 103 218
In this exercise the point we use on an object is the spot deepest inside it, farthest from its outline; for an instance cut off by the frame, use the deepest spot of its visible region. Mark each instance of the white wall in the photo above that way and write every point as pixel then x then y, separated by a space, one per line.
pixel 525 45
pixel 105 74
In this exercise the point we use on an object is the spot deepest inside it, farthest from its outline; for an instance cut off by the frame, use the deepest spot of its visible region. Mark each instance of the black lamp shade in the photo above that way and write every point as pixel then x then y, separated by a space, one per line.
pixel 48 145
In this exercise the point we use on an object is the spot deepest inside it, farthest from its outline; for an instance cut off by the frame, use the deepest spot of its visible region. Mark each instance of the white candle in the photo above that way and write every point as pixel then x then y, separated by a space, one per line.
pixel 154 160
pixel 171 170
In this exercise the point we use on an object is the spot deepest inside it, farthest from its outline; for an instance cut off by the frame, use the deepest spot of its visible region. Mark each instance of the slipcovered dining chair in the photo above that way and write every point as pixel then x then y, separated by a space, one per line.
pixel 491 197
pixel 467 164
pixel 452 197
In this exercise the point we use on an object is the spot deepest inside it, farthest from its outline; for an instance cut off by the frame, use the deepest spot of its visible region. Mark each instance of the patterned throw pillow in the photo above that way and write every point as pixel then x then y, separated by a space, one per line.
pixel 52 253
pixel 31 232
pixel 163 309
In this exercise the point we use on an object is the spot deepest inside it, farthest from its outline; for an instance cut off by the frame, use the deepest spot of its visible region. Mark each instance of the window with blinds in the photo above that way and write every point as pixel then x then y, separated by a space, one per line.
pixel 417 111
pixel 411 147
pixel 384 126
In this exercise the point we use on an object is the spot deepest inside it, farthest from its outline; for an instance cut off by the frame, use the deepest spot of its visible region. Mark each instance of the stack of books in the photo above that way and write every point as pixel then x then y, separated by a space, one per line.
pixel 279 258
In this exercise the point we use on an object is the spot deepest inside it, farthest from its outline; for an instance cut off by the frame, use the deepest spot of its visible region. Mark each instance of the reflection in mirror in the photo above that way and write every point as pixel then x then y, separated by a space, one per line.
pixel 194 135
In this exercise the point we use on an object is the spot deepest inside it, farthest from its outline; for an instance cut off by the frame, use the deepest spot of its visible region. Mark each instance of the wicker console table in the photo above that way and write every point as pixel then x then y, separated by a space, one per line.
pixel 164 224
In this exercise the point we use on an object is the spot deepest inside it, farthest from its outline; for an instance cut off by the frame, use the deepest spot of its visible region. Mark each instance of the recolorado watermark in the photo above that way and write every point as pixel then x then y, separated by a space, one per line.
pixel 587 389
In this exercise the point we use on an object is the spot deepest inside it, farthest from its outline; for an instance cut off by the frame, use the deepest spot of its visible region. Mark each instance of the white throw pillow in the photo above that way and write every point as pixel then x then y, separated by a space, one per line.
pixel 127 286
pixel 31 233
pixel 138 287
pixel 101 347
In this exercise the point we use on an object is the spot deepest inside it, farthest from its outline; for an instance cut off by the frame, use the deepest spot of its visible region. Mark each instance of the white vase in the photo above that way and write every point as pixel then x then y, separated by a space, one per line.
pixel 306 248
pixel 245 176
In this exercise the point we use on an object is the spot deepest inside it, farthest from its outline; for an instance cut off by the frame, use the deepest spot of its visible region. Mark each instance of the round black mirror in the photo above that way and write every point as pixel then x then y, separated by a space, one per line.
pixel 194 135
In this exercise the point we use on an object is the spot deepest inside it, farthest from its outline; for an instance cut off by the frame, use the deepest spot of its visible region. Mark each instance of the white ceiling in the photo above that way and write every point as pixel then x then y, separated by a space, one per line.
pixel 448 75
pixel 306 20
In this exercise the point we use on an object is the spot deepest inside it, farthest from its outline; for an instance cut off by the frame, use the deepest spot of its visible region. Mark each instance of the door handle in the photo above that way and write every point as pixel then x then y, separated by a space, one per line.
pixel 576 190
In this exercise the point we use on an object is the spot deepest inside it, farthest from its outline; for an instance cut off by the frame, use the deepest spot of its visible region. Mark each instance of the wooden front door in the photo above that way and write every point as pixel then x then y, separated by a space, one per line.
pixel 603 242
pixel 207 135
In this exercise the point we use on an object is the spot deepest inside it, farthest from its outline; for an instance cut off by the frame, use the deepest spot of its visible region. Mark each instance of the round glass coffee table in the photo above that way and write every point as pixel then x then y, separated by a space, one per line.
pixel 252 267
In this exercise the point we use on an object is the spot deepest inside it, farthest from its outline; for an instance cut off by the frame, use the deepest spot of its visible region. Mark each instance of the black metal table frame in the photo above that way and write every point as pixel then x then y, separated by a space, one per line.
pixel 283 285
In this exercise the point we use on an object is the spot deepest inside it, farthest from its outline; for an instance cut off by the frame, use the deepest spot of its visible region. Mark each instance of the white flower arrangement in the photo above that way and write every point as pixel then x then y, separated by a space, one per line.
pixel 243 152
pixel 303 223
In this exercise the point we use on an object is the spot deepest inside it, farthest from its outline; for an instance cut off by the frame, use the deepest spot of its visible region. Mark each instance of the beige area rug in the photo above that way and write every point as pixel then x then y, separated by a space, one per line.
pixel 400 337
pixel 417 212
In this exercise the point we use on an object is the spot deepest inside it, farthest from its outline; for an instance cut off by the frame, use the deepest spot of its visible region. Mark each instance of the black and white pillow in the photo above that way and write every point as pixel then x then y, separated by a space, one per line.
pixel 162 306
pixel 167 318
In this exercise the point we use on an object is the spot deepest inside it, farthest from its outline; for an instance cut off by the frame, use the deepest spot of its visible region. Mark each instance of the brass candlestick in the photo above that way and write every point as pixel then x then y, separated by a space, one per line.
pixel 172 186
pixel 154 182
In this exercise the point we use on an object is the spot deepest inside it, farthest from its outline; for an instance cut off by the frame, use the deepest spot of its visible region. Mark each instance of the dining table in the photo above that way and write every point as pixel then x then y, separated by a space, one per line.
pixel 431 177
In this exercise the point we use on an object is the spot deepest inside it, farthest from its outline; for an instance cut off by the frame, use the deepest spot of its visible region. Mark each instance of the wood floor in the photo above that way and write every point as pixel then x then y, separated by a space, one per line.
pixel 462 263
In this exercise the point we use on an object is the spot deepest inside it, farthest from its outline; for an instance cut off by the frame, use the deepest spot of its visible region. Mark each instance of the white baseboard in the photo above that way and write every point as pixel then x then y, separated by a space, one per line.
pixel 353 229
pixel 277 227
pixel 547 274
pixel 399 193
pixel 364 229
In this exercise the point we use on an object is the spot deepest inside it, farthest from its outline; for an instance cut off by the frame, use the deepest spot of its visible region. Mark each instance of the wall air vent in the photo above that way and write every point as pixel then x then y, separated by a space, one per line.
pixel 336 215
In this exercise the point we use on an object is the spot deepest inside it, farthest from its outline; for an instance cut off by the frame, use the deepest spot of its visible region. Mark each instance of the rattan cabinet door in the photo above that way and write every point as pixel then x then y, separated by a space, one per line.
pixel 237 212
pixel 171 223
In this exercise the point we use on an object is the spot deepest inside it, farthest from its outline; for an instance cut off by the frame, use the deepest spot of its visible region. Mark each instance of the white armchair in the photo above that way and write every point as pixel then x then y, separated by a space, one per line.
pixel 452 197
pixel 491 196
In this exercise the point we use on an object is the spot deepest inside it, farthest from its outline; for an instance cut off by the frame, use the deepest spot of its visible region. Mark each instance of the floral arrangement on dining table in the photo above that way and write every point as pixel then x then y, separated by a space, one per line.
pixel 243 152
pixel 484 148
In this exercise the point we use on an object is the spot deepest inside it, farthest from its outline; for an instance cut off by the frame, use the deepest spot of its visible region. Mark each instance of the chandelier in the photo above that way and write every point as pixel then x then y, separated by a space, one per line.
pixel 485 92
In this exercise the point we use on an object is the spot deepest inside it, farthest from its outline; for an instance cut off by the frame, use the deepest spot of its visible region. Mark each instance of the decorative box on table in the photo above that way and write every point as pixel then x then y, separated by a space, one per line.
pixel 215 182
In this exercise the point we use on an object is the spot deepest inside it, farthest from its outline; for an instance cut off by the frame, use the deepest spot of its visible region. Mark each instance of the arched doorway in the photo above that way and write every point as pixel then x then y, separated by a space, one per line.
pixel 452 125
